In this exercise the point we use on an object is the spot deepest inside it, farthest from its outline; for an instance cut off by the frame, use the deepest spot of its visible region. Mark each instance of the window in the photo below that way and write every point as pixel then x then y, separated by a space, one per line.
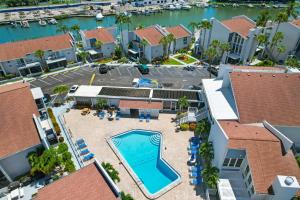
pixel 226 161
pixel 185 40
pixel 232 162
pixel 252 189
pixel 249 180
pixel 157 2
pixel 239 162
pixel 246 170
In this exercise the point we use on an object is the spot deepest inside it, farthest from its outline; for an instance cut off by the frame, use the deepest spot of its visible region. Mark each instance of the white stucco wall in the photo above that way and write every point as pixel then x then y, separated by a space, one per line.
pixel 108 49
pixel 17 164
pixel 180 44
pixel 292 132
pixel 157 51
pixel 219 140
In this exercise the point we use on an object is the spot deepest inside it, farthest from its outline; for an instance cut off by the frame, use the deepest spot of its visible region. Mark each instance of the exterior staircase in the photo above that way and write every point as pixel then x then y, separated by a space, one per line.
pixel 193 115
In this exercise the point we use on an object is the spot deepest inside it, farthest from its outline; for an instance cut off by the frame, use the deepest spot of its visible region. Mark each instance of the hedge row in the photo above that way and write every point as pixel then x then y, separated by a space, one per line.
pixel 54 122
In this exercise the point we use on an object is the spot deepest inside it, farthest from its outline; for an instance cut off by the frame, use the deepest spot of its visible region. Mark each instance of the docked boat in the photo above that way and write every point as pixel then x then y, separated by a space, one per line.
pixel 250 5
pixel 170 7
pixel 99 16
pixel 215 6
pixel 177 6
pixel 52 21
pixel 99 27
pixel 186 7
pixel 25 24
pixel 235 5
pixel 42 22
pixel 128 14
pixel 14 24
pixel 275 6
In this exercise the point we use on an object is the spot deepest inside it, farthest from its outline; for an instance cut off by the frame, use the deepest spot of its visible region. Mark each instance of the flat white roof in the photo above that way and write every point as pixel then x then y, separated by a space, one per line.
pixel 87 91
pixel 37 93
pixel 220 100
pixel 225 190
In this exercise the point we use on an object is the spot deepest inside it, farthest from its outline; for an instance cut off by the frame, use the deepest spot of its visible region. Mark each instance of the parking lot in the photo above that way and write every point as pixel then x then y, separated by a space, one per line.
pixel 169 77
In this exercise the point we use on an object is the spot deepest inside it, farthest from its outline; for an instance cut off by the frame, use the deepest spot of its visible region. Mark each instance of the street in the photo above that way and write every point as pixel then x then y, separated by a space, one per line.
pixel 171 77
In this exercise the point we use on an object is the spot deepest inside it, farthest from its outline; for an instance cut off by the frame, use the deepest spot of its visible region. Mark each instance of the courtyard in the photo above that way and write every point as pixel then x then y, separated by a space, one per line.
pixel 95 132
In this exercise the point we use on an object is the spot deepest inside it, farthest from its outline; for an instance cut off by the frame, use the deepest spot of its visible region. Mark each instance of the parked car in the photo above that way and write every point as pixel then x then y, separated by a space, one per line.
pixel 194 87
pixel 73 89
pixel 93 65
pixel 189 68
pixel 103 68
pixel 213 70
pixel 144 69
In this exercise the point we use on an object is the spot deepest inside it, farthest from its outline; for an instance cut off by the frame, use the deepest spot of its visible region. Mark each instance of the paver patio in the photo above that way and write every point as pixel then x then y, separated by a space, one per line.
pixel 94 131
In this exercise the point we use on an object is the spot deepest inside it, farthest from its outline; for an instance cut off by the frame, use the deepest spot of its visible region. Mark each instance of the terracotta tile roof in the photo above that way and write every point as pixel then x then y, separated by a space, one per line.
pixel 151 34
pixel 84 184
pixel 296 22
pixel 256 68
pixel 267 96
pixel 239 25
pixel 264 153
pixel 178 31
pixel 100 34
pixel 13 50
pixel 18 130
pixel 137 104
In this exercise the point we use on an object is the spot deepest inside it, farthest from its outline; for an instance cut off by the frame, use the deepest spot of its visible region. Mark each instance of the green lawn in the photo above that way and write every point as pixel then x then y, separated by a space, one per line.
pixel 171 61
pixel 188 59
pixel 105 60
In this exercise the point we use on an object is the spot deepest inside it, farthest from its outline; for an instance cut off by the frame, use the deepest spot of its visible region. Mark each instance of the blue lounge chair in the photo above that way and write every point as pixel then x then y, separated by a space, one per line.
pixel 118 116
pixel 88 157
pixel 101 114
pixel 82 145
pixel 194 174
pixel 195 168
pixel 79 141
pixel 84 152
pixel 142 117
pixel 193 151
pixel 196 181
pixel 148 117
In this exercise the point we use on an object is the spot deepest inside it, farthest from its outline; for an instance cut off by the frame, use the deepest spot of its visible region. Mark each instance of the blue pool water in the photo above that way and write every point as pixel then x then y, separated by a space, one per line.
pixel 141 150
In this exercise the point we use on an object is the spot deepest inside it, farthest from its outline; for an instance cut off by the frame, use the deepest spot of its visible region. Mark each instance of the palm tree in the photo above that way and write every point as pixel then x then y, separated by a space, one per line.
pixel 60 90
pixel 293 62
pixel 83 56
pixel 280 18
pixel 291 10
pixel 112 172
pixel 98 44
pixel 210 53
pixel 277 39
pixel 126 196
pixel 210 176
pixel 194 26
pixel 224 47
pixel 206 25
pixel 203 128
pixel 263 18
pixel 142 44
pixel 140 26
pixel 207 151
pixel 164 42
pixel 120 22
pixel 76 29
pixel 280 49
pixel 170 39
pixel 127 21
pixel 101 103
pixel 262 39
pixel 62 28
pixel 40 55
pixel 183 103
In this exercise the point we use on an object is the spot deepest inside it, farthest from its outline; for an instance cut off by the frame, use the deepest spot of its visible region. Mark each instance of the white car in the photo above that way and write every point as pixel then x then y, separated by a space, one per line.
pixel 73 89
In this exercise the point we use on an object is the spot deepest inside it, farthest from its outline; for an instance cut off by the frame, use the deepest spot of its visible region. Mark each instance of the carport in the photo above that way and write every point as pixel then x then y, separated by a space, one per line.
pixel 134 108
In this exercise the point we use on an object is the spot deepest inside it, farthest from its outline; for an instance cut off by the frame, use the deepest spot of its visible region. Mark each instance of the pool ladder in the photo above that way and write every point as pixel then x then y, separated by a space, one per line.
pixel 155 139
pixel 117 141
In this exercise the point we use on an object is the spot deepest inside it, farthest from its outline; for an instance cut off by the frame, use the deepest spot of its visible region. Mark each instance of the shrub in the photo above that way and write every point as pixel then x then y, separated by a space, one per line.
pixel 192 126
pixel 55 177
pixel 62 148
pixel 61 139
pixel 123 60
pixel 126 196
pixel 54 122
pixel 184 127
pixel 298 160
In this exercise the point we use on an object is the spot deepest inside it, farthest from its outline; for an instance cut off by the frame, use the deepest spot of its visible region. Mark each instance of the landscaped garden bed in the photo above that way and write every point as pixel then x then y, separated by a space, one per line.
pixel 185 58
pixel 171 61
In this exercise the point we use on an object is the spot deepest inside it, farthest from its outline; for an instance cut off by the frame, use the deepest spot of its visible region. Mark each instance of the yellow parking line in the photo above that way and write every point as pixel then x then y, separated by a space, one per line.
pixel 92 78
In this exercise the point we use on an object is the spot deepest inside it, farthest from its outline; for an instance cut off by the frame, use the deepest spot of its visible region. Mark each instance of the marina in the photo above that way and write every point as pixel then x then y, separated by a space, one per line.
pixel 173 14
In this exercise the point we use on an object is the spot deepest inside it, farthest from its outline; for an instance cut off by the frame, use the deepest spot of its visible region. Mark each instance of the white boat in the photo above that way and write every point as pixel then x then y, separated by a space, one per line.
pixel 275 6
pixel 52 21
pixel 186 7
pixel 170 7
pixel 128 14
pixel 250 5
pixel 99 16
pixel 177 6
pixel 42 22
pixel 235 5
pixel 14 24
pixel 25 24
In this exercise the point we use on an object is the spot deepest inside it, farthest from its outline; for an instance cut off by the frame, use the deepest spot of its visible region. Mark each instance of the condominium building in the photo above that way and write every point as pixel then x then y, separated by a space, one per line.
pixel 19 57
pixel 152 48
pixel 90 182
pixel 254 112
pixel 106 39
pixel 23 129
pixel 239 32
pixel 291 40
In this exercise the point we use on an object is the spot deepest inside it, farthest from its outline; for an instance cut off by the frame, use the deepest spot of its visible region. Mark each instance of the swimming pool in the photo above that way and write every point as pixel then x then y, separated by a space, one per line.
pixel 140 151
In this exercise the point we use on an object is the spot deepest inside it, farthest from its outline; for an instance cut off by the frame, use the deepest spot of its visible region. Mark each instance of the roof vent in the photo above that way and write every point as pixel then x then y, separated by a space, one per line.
pixel 286 75
pixel 260 75
pixel 248 74
pixel 273 75
pixel 288 180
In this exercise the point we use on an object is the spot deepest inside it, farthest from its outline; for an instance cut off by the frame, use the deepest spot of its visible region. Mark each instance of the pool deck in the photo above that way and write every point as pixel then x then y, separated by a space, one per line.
pixel 95 131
